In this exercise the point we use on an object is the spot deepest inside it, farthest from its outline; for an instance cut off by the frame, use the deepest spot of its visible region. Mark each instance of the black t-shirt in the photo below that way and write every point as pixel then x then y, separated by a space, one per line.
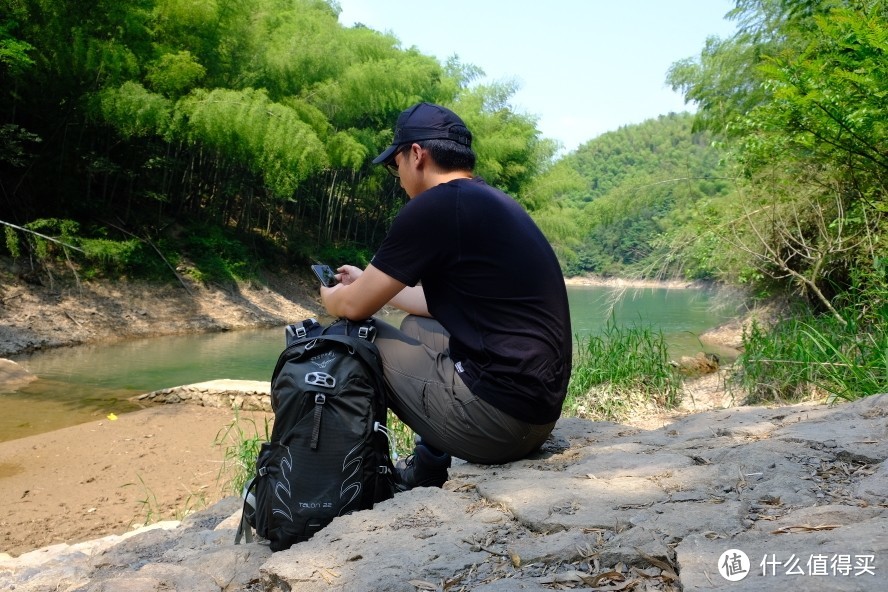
pixel 492 280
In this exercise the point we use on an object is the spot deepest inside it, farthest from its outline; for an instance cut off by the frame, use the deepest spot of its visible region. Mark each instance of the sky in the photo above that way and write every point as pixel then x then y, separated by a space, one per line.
pixel 584 67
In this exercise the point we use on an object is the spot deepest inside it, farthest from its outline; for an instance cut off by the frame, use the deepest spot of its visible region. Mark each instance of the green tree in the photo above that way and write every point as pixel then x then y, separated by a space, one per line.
pixel 812 144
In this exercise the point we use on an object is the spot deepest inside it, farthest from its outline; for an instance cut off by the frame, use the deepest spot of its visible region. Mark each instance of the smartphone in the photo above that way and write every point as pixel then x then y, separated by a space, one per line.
pixel 326 275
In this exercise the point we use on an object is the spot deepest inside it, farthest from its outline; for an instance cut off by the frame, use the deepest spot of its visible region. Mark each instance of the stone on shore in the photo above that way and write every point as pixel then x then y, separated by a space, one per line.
pixel 13 376
pixel 252 395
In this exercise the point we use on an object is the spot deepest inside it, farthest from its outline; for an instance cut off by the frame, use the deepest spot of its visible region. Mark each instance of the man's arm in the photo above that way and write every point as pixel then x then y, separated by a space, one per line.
pixel 360 297
pixel 412 301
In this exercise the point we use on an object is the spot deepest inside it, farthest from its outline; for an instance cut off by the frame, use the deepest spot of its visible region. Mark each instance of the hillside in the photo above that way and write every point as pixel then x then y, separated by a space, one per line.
pixel 625 197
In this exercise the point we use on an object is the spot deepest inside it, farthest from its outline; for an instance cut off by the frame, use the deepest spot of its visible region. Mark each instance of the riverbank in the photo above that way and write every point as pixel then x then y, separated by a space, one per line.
pixel 61 311
pixel 115 472
pixel 615 282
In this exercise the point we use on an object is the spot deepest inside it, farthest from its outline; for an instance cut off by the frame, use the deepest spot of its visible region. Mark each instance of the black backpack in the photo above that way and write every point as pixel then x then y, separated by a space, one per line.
pixel 329 451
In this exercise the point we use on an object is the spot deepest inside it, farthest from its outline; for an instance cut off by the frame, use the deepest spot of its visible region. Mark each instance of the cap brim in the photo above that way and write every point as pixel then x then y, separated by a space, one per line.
pixel 385 155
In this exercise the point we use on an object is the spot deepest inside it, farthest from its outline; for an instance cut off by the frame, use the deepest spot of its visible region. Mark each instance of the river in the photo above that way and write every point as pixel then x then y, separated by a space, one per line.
pixel 88 382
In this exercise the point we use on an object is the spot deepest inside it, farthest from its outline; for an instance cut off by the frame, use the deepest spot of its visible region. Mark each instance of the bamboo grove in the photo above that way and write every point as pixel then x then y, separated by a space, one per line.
pixel 257 115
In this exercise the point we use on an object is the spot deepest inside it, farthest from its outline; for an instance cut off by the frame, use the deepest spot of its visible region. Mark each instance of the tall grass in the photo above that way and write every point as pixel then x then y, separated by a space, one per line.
pixel 240 448
pixel 812 355
pixel 619 371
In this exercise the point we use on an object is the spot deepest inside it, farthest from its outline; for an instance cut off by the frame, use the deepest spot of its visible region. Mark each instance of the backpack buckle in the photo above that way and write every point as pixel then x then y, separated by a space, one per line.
pixel 367 332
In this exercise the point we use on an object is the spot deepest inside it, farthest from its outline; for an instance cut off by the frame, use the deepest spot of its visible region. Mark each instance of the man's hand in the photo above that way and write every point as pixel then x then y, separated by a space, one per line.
pixel 359 294
pixel 348 274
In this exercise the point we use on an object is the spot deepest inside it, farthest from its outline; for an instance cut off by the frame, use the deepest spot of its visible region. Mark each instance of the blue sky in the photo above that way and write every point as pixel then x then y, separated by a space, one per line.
pixel 584 67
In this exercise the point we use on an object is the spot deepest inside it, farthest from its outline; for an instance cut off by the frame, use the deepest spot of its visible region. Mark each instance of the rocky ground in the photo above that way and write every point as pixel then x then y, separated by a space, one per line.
pixel 738 499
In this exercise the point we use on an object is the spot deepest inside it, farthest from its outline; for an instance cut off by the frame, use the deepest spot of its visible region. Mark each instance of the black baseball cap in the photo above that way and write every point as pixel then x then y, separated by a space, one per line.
pixel 425 121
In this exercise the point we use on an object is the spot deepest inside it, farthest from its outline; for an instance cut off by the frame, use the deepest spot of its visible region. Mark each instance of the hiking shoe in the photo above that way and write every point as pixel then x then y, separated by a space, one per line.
pixel 423 468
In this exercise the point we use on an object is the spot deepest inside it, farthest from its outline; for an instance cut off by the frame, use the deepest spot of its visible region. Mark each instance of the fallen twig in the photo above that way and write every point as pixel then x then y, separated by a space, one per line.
pixel 805 528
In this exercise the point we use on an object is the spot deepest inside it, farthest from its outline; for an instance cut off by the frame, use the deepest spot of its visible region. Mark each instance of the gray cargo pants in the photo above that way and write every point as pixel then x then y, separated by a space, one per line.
pixel 428 395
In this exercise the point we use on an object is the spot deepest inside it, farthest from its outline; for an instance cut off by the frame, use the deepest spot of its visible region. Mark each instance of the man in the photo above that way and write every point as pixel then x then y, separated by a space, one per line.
pixel 480 367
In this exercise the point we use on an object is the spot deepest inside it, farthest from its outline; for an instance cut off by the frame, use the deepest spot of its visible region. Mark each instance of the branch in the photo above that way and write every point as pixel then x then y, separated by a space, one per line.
pixel 153 246
pixel 851 132
pixel 49 238
pixel 771 256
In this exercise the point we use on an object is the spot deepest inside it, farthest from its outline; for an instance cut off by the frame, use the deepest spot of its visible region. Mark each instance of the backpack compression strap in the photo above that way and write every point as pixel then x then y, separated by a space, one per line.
pixel 320 399
pixel 244 530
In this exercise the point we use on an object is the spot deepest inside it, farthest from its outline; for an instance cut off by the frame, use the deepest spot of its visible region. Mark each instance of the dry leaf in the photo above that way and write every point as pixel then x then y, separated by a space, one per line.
pixel 423 585
pixel 668 570
pixel 608 575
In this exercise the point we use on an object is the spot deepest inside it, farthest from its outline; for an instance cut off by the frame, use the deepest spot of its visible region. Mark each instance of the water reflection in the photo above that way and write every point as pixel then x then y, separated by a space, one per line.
pixel 681 314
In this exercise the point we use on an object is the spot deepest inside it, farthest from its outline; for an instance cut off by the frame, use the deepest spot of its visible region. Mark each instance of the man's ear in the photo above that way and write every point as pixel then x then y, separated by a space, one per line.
pixel 418 155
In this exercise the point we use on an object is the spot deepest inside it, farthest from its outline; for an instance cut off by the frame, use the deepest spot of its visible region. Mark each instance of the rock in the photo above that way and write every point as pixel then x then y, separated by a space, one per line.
pixel 800 490
pixel 698 365
pixel 251 395
pixel 13 376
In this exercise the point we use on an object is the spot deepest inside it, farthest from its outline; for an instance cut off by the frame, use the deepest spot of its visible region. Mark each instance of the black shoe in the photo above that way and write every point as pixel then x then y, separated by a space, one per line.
pixel 423 468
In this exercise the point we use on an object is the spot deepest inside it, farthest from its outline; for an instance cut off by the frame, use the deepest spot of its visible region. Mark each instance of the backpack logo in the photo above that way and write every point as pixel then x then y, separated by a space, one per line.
pixel 323 360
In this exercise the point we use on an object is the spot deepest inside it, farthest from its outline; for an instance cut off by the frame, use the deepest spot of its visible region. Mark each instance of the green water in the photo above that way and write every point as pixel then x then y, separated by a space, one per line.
pixel 681 314
pixel 84 383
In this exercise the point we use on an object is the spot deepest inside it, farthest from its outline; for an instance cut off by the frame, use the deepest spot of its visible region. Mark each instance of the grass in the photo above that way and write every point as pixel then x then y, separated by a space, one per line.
pixel 619 371
pixel 240 448
pixel 152 510
pixel 811 356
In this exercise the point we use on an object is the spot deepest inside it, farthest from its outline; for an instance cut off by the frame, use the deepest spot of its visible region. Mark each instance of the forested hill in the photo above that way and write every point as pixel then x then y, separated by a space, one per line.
pixel 654 149
pixel 623 195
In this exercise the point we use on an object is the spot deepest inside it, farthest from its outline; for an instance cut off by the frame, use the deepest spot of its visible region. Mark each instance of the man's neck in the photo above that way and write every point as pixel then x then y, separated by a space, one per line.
pixel 438 178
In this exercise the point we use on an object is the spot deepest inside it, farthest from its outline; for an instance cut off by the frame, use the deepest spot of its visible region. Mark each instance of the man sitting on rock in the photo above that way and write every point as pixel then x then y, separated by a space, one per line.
pixel 480 366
